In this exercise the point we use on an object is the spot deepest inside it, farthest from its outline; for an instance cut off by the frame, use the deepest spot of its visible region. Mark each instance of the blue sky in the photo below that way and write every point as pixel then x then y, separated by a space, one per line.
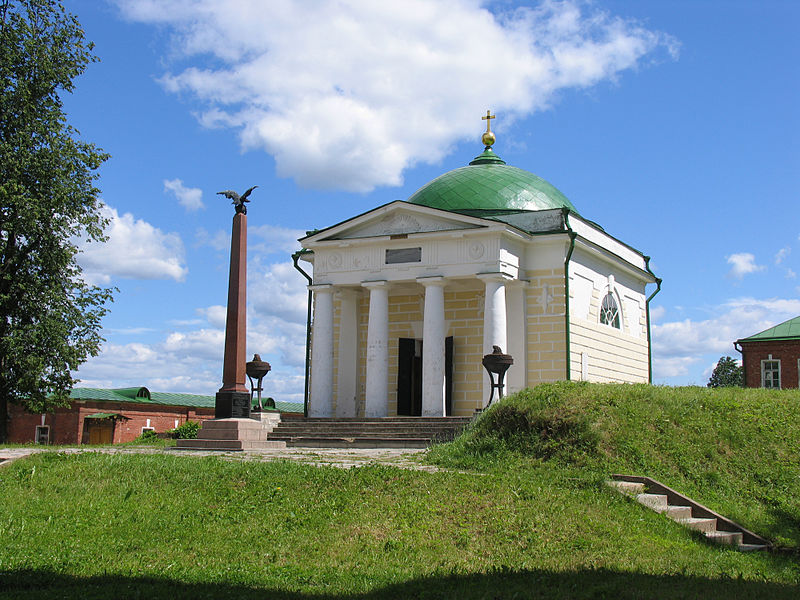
pixel 672 124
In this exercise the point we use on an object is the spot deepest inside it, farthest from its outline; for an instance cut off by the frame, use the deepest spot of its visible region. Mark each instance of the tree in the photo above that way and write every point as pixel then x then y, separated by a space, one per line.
pixel 49 317
pixel 727 373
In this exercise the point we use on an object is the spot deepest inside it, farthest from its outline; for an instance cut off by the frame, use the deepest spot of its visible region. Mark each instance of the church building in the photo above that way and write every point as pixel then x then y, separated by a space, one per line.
pixel 408 297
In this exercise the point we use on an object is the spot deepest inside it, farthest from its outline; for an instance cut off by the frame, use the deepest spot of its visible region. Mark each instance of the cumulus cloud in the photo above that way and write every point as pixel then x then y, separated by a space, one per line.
pixel 348 94
pixel 278 290
pixel 269 238
pixel 134 250
pixel 743 263
pixel 219 240
pixel 190 361
pixel 678 345
pixel 782 254
pixel 190 198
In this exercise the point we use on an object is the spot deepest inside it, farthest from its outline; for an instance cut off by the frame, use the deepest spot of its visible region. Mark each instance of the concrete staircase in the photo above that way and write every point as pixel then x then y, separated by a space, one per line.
pixel 687 512
pixel 387 432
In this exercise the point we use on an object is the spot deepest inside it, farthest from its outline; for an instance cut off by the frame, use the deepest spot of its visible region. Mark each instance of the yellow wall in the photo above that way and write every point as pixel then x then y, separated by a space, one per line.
pixel 546 326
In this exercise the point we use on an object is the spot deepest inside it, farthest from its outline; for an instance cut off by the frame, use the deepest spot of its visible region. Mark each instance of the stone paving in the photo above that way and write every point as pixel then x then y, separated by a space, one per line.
pixel 403 458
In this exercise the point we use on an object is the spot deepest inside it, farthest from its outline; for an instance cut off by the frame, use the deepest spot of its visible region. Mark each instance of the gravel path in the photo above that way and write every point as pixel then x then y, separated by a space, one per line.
pixel 334 457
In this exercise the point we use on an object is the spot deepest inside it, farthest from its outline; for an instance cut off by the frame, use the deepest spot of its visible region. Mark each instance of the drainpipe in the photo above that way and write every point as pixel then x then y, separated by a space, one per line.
pixel 295 258
pixel 647 311
pixel 572 236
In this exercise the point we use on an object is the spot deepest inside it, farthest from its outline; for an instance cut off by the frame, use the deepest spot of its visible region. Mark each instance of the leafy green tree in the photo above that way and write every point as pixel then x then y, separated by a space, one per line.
pixel 727 373
pixel 49 317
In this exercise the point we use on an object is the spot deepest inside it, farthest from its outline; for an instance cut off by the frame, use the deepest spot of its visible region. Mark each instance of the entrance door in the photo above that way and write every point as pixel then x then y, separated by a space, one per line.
pixel 101 431
pixel 409 376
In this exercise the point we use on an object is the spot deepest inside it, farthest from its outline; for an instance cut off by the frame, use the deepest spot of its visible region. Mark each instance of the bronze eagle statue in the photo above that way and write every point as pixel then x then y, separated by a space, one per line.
pixel 238 201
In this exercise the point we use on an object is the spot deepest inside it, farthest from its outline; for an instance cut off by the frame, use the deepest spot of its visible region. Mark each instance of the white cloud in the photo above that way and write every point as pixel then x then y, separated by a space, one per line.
pixel 215 315
pixel 275 239
pixel 278 290
pixel 190 198
pixel 657 313
pixel 347 94
pixel 135 250
pixel 782 254
pixel 743 263
pixel 678 345
pixel 220 240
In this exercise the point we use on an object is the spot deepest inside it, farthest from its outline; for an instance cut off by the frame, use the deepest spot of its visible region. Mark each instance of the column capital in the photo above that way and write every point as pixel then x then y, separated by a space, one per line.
pixel 498 277
pixel 370 285
pixel 321 288
pixel 519 283
pixel 346 292
pixel 433 280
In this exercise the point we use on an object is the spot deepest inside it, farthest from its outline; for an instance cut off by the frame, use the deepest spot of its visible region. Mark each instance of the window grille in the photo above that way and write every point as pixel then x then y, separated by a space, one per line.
pixel 771 374
pixel 609 312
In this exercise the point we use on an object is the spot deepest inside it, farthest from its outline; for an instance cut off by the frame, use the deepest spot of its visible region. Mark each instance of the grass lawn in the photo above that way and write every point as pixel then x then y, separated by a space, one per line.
pixel 530 516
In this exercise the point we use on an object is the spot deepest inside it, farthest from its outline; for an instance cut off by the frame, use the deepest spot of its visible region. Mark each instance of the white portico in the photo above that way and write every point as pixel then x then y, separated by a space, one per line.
pixel 409 296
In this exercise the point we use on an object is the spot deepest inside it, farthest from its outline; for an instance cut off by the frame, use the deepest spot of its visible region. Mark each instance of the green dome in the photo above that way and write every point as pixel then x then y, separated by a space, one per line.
pixel 489 184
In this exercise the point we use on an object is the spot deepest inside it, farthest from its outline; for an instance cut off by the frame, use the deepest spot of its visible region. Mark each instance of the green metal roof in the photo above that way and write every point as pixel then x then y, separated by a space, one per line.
pixel 489 184
pixel 103 416
pixel 788 330
pixel 161 398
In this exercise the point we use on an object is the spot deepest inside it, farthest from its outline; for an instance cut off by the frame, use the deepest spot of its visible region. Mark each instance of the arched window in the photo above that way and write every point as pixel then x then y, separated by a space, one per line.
pixel 609 311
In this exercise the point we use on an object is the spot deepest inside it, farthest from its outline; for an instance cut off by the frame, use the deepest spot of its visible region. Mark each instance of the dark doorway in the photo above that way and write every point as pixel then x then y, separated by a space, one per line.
pixel 409 376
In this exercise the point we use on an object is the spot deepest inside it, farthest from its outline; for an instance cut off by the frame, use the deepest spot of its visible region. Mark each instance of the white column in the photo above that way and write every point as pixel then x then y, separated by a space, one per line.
pixel 347 373
pixel 320 402
pixel 433 334
pixel 516 334
pixel 494 320
pixel 377 384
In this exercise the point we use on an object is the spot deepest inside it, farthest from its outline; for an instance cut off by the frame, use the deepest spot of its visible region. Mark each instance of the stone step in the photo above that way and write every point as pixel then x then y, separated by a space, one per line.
pixel 700 524
pixel 658 502
pixel 627 487
pixel 687 512
pixel 287 418
pixel 751 547
pixel 420 432
pixel 228 445
pixel 733 538
pixel 231 434
pixel 676 513
pixel 357 442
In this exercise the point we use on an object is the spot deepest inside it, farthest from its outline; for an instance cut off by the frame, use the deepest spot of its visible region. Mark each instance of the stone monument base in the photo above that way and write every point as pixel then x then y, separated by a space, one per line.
pixel 234 435
pixel 232 405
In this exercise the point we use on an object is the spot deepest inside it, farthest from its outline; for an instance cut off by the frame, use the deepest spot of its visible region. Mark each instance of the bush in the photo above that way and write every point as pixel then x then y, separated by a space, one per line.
pixel 187 431
pixel 147 437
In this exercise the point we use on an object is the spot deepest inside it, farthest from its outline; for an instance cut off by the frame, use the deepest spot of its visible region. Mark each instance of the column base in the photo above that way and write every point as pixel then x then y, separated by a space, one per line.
pixel 232 405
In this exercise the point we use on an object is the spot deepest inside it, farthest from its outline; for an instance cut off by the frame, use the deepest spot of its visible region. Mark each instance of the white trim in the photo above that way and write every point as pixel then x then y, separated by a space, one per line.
pixel 42 439
pixel 764 372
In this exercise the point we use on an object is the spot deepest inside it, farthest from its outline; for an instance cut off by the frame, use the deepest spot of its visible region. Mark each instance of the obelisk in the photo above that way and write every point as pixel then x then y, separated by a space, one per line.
pixel 233 398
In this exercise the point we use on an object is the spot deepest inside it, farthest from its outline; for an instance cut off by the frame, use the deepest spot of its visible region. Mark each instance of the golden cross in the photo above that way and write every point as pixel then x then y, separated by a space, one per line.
pixel 488 118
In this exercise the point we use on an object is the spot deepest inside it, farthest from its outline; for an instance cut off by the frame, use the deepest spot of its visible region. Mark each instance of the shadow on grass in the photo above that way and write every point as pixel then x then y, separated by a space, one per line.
pixel 499 584
pixel 787 524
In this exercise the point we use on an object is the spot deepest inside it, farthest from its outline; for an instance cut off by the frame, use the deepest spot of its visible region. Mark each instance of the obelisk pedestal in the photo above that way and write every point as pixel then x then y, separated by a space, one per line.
pixel 233 398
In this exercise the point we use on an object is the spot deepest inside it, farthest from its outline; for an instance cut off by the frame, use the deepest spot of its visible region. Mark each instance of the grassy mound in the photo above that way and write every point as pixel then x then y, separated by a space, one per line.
pixel 735 450
pixel 531 518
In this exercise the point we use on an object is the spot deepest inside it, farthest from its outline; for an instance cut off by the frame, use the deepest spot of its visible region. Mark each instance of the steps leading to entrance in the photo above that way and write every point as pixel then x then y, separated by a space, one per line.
pixel 687 512
pixel 386 432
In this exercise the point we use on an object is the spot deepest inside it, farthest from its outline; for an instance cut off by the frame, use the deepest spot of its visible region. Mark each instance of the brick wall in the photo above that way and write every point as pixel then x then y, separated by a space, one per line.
pixel 788 352
pixel 67 424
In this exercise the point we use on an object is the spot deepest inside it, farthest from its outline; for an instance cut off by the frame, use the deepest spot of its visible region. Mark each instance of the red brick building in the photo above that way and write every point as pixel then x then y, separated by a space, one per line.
pixel 771 359
pixel 101 416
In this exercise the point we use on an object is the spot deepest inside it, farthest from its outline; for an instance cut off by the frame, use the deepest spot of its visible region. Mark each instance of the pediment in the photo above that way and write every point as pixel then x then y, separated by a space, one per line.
pixel 397 218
